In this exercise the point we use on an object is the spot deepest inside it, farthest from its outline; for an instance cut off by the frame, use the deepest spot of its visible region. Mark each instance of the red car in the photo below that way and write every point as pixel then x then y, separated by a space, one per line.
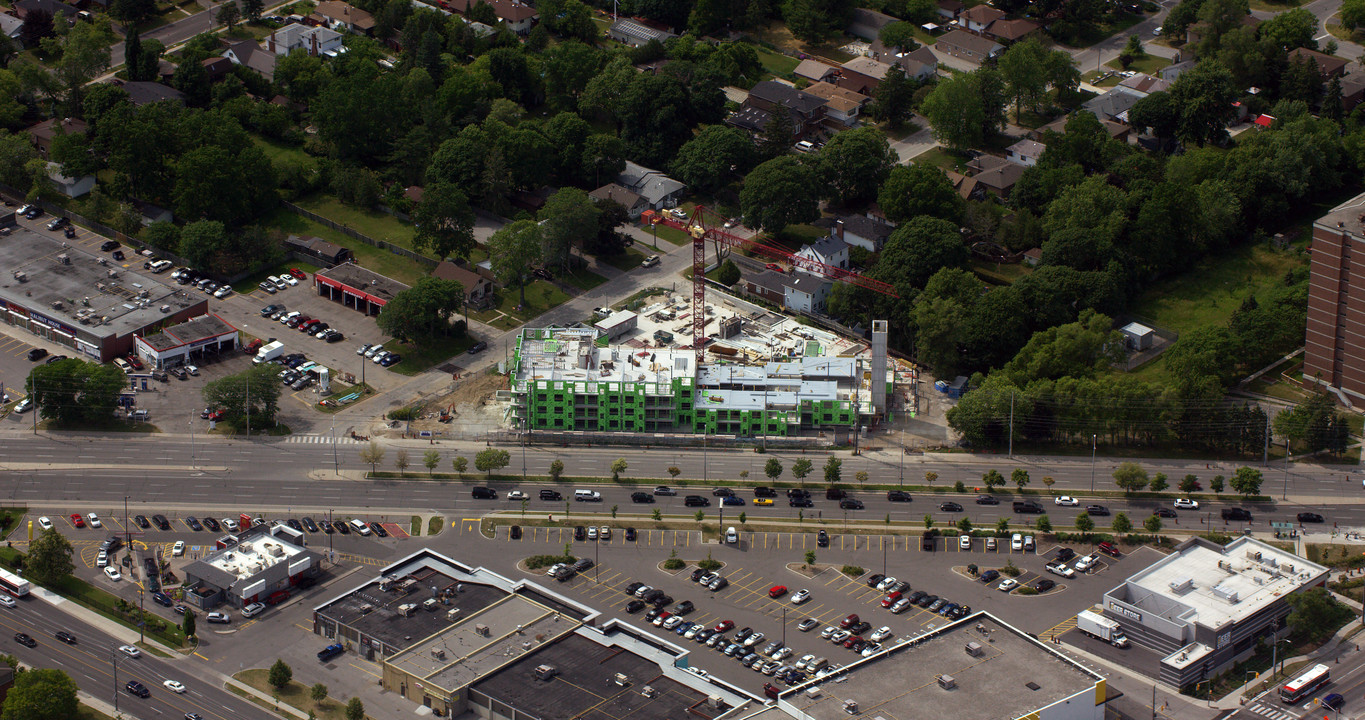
pixel 775 267
pixel 849 621
pixel 724 626
pixel 777 591
pixel 77 520
pixel 891 599
pixel 252 347
pixel 215 416
pixel 137 364
pixel 298 273
pixel 852 640
pixel 1108 549
pixel 771 690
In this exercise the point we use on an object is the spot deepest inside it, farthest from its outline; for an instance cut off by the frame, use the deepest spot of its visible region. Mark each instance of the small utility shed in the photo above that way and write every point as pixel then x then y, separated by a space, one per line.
pixel 1137 336
pixel 617 324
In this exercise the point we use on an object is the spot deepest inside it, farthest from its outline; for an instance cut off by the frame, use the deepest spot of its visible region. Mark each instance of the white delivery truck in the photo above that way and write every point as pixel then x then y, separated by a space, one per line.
pixel 1093 623
pixel 269 352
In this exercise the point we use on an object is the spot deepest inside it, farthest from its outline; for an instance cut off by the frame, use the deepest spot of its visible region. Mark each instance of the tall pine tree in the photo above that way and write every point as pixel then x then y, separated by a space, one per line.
pixel 132 55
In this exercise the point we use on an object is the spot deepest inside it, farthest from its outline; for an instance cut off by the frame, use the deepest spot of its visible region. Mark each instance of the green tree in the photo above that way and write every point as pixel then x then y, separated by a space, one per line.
pixel 1043 524
pixel 699 515
pixel 1152 524
pixel 355 709
pixel 1024 70
pixel 422 313
pixel 657 515
pixel 963 109
pixel 49 558
pixel 253 8
pixel 1132 52
pixel 134 12
pixel 1002 525
pixel 800 469
pixel 1293 28
pixel 1189 484
pixel 861 476
pixel 229 15
pixel 1122 525
pixel 930 476
pixel 814 20
pixel 513 251
pixel 1314 612
pixel 717 156
pixel 400 461
pixel 618 466
pixel 1216 484
pixel 318 692
pixel 743 518
pixel 1084 523
pixel 914 190
pixel 1205 97
pixel 1352 13
pixel 249 397
pixel 431 459
pixel 1130 477
pixel 373 453
pixel 568 220
pixel 928 521
pixel 41 694
pixel 893 99
pixel 1019 477
pixel 1159 482
pixel 899 35
pixel 853 164
pixel 728 274
pixel 490 459
pixel 833 469
pixel 73 393
pixel 556 469
pixel 777 137
pixel 917 250
pixel 780 192
pixel 992 479
pixel 773 468
pixel 280 675
pixel 1048 481
pixel 810 557
pixel 444 222
pixel 187 624
pixel 462 463
pixel 1247 481
pixel 964 525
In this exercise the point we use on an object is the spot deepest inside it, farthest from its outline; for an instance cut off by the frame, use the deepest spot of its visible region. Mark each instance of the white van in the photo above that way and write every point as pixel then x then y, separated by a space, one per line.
pixel 360 527
pixel 731 536
pixel 587 496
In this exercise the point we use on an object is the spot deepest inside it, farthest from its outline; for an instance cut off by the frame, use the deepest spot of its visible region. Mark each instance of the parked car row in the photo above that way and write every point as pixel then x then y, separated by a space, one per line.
pixel 197 524
pixel 378 355
pixel 284 281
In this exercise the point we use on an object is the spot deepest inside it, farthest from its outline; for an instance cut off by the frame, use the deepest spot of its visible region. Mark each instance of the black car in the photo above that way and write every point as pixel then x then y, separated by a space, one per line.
pixel 294 524
pixel 684 608
pixel 580 533
pixel 1308 517
pixel 36 354
pixel 478 348
pixel 875 579
pixel 696 501
pixel 194 524
pixel 653 613
pixel 765 492
pixel 141 521
pixel 1164 512
pixel 325 526
pixel 379 529
pixel 950 507
pixel 732 500
pixel 390 359
pixel 57 223
pixel 1065 554
pixel 927 600
pixel 334 336
pixel 800 502
pixel 136 688
pixel 798 493
pixel 310 525
pixel 1044 585
pixel 211 524
pixel 641 497
pixel 822 539
pixel 1096 510
pixel 630 534
pixel 515 532
pixel 635 606
pixel 25 640
pixel 55 358
pixel 550 495
pixel 662 600
pixel 961 611
pixel 898 496
pixel 117 255
pixel 987 500
pixel 161 522
pixel 161 598
pixel 696 574
pixel 108 245
pixel 723 492
pixel 341 527
pixel 990 576
pixel 851 504
pixel 860 627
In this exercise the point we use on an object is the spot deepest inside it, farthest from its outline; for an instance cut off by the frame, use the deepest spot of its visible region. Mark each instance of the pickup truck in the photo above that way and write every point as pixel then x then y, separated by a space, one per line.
pixel 330 652
pixel 1028 506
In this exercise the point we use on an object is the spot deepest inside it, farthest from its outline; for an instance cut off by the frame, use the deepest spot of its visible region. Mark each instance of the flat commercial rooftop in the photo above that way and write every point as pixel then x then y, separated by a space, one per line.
pixel 352 275
pixel 190 331
pixel 82 288
pixel 253 555
pixel 1011 677
pixel 482 642
pixel 374 612
pixel 1220 585
pixel 585 686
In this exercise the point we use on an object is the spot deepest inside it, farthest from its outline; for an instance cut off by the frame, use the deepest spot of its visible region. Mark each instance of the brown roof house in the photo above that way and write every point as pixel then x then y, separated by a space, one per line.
pixel 1012 30
pixel 478 291
pixel 344 17
pixel 996 173
pixel 963 45
pixel 806 110
pixel 841 106
pixel 632 201
pixel 248 53
pixel 315 249
pixel 867 24
pixel 967 187
pixel 986 21
pixel 815 71
pixel 949 9
pixel 979 17
pixel 1329 65
pixel 41 135
pixel 517 15
pixel 863 74
pixel 1117 131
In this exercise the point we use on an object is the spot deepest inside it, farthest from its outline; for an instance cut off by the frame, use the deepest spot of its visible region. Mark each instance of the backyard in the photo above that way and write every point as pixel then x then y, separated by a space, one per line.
pixel 381 261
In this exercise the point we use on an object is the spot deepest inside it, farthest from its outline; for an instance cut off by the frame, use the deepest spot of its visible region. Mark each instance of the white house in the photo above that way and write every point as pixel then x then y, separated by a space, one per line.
pixel 1025 152
pixel 806 293
pixel 313 40
pixel 72 187
pixel 828 250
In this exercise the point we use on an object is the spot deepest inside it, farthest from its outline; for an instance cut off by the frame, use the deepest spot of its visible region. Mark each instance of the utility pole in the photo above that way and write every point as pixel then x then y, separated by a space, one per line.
pixel 115 654
pixel 1093 444
pixel 193 465
pixel 1011 425
pixel 336 462
pixel 1265 449
pixel 248 405
pixel 1284 495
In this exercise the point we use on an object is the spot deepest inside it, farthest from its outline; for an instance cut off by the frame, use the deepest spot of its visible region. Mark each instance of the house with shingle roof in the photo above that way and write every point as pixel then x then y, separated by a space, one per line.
pixel 863 74
pixel 963 45
pixel 248 53
pixel 842 106
pixel 344 16
pixel 815 71
pixel 625 197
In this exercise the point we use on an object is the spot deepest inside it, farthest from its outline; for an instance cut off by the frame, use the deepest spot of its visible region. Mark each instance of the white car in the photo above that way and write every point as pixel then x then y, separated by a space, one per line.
pixel 782 653
pixel 6 600
pixel 964 542
pixel 223 292
pixel 829 630
pixel 901 606
pixel 191 369
pixel 102 560
pixel 673 622
pixel 516 495
pixel 990 543
pixel 592 532
pixel 290 279
pixel 840 637
pixel 1060 569
pixel 800 597
pixel 253 609
pixel 754 639
pixel 886 584
pixel 373 350
pixel 94 520
pixel 1085 563
pixel 1008 584
pixel 174 686
pixel 178 548
pixel 1016 542
pixel 871 649
pixel 275 280
pixel 1028 543
pixel 1066 501
pixel 692 631
pixel 604 533
pixel 130 651
pixel 881 634
pixel 1187 504
pixel 804 661
pixel 113 574
pixel 45 522
pixel 230 524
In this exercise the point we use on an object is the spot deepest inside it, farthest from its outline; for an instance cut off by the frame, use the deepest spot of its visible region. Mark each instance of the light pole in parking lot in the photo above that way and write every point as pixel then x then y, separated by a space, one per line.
pixel 784 626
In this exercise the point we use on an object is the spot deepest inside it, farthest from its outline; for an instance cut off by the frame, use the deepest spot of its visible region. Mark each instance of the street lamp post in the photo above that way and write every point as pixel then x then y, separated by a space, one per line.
pixel 1093 444
pixel 336 461
pixel 1284 495
pixel 115 655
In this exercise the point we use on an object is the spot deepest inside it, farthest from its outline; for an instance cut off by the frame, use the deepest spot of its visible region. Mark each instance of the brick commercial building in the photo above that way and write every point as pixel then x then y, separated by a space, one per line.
pixel 1335 342
pixel 358 288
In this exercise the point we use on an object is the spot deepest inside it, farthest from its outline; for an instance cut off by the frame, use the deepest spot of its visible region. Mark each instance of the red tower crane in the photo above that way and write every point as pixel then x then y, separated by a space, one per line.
pixel 707 225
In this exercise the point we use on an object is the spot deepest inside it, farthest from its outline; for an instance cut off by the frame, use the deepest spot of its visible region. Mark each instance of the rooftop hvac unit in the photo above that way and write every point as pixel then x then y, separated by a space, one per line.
pixel 453 614
pixel 946 682
pixel 648 691
pixel 851 707
pixel 366 609
pixel 430 603
pixel 438 653
pixel 545 672
pixel 1182 584
pixel 974 649
pixel 1228 594
pixel 621 679
pixel 1225 565
pixel 21 276
pixel 714 701
pixel 1254 555
pixel 407 609
pixel 813 691
pixel 481 629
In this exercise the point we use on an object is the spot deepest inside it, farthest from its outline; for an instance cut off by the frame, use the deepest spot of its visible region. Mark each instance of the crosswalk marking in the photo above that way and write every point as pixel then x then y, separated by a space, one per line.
pixel 1272 713
pixel 319 440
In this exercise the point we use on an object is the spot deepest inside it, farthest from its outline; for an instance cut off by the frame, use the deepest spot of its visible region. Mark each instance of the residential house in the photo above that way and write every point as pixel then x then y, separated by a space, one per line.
pixel 861 231
pixel 1145 84
pixel 978 18
pixel 41 135
pixel 478 291
pixel 248 53
pixel 516 15
pixel 988 22
pixel 750 118
pixel 863 74
pixel 317 250
pixel 815 71
pixel 145 92
pixel 1171 72
pixel 217 67
pixel 1330 66
pixel 1114 104
pixel 966 46
pixel 344 17
pixel 1352 90
pixel 54 8
pixel 658 190
pixel 1012 31
pixel 949 10
pixel 996 174
pixel 806 110
pixel 628 199
pixel 11 27
pixel 635 33
pixel 1117 131
pixel 767 285
pixel 920 63
pixel 72 187
pixel 867 24
pixel 1025 152
pixel 842 106
pixel 413 193
pixel 149 213
pixel 828 251
pixel 1032 256
pixel 313 40
pixel 967 187
pixel 806 293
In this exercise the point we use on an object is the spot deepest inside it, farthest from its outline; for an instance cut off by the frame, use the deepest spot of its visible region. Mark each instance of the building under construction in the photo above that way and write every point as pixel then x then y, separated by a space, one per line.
pixel 765 374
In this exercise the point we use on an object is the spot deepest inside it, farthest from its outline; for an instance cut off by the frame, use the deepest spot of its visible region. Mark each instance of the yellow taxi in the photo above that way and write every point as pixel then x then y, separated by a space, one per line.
pixel 763 501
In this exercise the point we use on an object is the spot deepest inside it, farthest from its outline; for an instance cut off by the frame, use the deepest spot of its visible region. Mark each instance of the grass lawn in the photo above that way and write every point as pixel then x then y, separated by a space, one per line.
pixel 583 279
pixel 85 712
pixel 381 261
pixel 540 296
pixel 435 524
pixel 1093 77
pixel 295 694
pixel 626 261
pixel 419 358
pixel 671 234
pixel 943 158
pixel 793 237
pixel 1150 64
pixel 776 63
pixel 278 152
pixel 1000 273
pixel 375 224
